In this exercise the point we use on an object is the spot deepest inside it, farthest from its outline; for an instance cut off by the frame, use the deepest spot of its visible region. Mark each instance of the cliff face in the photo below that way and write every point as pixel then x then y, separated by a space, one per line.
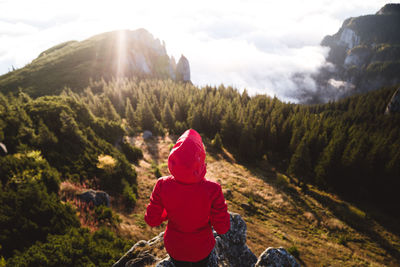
pixel 230 251
pixel 364 54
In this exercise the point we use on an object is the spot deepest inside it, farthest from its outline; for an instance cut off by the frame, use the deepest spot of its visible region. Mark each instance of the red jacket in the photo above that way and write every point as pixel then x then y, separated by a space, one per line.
pixel 189 202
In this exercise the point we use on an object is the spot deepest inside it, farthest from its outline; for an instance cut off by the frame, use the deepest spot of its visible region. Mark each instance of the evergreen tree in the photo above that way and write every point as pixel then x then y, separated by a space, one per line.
pixel 109 111
pixel 300 163
pixel 130 115
pixel 167 117
pixel 146 117
pixel 217 142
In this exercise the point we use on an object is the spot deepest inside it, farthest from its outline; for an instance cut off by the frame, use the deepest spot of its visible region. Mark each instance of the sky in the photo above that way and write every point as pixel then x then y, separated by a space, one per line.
pixel 254 44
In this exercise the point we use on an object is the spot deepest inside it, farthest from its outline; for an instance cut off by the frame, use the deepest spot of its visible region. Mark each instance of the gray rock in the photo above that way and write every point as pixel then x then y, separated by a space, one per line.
pixel 3 148
pixel 231 248
pixel 142 259
pixel 394 104
pixel 147 134
pixel 183 70
pixel 96 197
pixel 276 257
pixel 131 255
pixel 165 263
pixel 230 251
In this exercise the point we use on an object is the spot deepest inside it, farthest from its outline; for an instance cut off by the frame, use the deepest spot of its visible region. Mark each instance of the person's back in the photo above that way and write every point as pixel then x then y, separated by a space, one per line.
pixel 191 203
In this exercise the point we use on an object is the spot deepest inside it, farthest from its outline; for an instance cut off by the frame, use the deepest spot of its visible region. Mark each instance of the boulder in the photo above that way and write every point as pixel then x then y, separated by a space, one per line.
pixel 96 197
pixel 230 251
pixel 231 248
pixel 276 257
pixel 147 134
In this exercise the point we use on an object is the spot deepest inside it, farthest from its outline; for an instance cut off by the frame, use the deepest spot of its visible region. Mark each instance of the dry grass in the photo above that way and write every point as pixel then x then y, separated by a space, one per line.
pixel 326 230
pixel 84 211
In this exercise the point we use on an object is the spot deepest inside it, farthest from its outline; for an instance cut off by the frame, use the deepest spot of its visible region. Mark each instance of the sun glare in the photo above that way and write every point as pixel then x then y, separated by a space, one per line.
pixel 121 52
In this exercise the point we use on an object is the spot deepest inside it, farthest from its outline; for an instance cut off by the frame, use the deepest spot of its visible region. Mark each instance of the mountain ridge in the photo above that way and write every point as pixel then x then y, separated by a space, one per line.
pixel 110 55
pixel 364 55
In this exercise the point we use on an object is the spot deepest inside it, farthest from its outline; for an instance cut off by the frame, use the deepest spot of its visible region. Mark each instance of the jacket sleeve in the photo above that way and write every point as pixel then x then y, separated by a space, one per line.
pixel 220 218
pixel 155 211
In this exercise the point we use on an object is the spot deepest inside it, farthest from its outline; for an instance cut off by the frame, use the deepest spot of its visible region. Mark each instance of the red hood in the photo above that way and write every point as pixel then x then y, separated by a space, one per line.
pixel 186 162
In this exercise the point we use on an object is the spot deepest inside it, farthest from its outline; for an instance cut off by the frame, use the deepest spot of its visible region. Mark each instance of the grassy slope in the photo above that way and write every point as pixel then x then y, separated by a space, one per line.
pixel 325 229
pixel 72 64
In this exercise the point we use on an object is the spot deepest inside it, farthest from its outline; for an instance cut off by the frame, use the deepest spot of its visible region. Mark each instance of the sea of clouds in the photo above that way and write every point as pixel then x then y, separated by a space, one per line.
pixel 255 44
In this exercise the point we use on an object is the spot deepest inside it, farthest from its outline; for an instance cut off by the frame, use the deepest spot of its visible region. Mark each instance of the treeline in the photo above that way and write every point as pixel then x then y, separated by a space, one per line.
pixel 348 146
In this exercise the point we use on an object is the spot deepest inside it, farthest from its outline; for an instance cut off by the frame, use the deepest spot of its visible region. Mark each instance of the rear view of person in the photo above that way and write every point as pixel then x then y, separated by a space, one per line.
pixel 190 203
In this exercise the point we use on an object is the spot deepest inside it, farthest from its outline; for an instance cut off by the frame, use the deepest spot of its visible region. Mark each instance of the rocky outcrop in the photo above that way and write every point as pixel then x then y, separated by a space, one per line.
pixel 275 257
pixel 183 70
pixel 96 197
pixel 394 104
pixel 230 251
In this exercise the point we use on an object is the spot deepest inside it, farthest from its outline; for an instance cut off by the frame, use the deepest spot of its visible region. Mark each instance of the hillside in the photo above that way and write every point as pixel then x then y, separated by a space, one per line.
pixel 325 230
pixel 320 180
pixel 105 56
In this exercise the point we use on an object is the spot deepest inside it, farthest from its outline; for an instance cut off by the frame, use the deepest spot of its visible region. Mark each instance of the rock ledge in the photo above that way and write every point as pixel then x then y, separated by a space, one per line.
pixel 230 251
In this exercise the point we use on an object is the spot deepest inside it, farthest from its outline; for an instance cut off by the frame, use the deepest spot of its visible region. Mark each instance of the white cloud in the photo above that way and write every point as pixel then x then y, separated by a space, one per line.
pixel 254 44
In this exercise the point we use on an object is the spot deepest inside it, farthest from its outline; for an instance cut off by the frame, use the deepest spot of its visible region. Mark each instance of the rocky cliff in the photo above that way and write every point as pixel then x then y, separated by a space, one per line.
pixel 230 251
pixel 183 70
pixel 364 55
pixel 106 56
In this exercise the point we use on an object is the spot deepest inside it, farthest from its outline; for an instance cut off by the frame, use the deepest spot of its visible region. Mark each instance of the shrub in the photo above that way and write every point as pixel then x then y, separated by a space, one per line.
pixel 132 153
pixel 106 162
pixel 217 142
pixel 104 215
pixel 156 170
pixel 29 214
pixel 78 247
pixel 128 196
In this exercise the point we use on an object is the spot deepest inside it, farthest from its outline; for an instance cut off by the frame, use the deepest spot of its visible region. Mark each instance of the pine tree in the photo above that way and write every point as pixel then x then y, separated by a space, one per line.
pixel 146 117
pixel 217 142
pixel 177 112
pixel 109 111
pixel 167 117
pixel 130 115
pixel 300 163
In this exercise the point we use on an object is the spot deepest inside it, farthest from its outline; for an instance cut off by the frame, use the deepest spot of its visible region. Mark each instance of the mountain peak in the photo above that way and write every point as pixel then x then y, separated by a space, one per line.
pixel 389 9
pixel 365 53
pixel 122 53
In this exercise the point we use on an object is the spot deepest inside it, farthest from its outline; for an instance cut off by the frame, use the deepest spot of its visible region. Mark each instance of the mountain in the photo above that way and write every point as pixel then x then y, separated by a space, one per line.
pixel 106 56
pixel 364 55
pixel 319 180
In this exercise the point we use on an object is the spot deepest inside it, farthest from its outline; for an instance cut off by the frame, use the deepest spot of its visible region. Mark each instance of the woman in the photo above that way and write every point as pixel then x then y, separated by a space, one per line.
pixel 190 203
